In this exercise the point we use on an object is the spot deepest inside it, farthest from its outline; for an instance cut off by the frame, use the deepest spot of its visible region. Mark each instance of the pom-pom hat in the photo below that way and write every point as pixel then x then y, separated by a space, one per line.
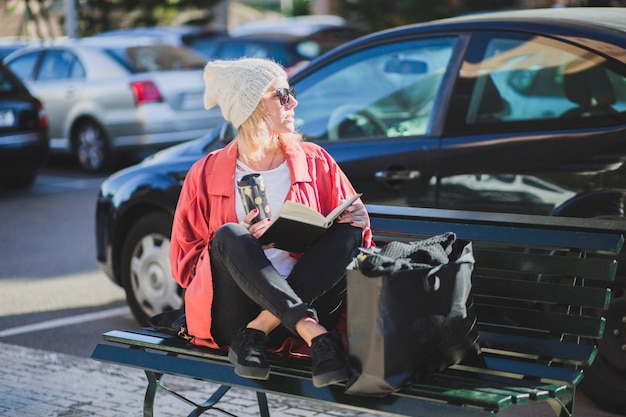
pixel 237 86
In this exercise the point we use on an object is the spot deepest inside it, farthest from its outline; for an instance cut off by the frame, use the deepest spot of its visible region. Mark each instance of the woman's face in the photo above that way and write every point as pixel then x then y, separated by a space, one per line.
pixel 281 115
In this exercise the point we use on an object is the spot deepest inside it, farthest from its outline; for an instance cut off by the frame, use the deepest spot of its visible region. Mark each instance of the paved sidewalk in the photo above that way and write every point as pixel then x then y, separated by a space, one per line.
pixel 37 383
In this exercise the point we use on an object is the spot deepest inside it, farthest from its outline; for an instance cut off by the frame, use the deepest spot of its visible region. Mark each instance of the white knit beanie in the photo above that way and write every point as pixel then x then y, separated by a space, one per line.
pixel 237 86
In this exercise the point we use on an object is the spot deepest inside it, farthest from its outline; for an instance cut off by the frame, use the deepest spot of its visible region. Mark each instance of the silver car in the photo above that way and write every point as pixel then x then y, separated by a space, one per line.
pixel 109 97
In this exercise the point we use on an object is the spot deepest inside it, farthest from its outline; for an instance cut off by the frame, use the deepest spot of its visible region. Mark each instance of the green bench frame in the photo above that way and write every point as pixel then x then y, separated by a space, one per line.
pixel 540 287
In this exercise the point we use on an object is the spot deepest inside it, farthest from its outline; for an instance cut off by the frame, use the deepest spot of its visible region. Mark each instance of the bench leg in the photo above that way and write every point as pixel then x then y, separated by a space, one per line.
pixel 563 406
pixel 154 383
pixel 262 400
pixel 210 403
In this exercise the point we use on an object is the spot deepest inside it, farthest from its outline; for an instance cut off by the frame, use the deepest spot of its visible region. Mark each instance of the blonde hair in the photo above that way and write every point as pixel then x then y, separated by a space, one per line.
pixel 255 136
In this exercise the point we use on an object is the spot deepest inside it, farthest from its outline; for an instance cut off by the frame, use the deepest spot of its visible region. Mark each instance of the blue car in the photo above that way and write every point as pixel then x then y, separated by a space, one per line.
pixel 513 112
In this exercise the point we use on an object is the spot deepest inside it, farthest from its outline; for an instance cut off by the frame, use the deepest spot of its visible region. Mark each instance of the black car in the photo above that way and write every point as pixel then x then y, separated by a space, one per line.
pixel 514 112
pixel 24 140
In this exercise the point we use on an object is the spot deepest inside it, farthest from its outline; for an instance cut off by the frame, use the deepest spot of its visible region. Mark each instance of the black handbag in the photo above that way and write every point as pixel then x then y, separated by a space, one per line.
pixel 409 312
pixel 172 322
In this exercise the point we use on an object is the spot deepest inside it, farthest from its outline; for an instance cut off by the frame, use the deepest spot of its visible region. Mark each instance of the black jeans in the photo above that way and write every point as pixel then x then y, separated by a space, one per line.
pixel 245 282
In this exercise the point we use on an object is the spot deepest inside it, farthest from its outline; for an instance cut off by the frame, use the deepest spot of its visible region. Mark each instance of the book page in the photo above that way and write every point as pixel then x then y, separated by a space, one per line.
pixel 296 211
pixel 300 212
pixel 341 208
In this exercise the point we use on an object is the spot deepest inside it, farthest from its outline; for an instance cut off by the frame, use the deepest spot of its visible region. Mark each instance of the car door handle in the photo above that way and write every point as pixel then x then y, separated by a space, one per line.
pixel 398 175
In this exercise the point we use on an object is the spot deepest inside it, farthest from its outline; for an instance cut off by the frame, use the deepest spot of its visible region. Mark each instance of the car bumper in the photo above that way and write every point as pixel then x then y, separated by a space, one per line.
pixel 25 153
pixel 104 224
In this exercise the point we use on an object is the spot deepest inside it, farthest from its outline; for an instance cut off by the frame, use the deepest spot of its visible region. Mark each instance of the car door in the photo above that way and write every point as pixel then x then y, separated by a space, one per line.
pixel 59 80
pixel 534 124
pixel 52 75
pixel 373 110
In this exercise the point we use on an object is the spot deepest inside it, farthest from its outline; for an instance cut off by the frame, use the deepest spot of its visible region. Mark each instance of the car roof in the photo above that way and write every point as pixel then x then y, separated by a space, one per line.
pixel 176 35
pixel 586 25
pixel 609 17
pixel 298 26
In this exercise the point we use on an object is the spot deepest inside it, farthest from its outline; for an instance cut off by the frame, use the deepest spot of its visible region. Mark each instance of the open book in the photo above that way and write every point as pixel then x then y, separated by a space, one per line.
pixel 296 226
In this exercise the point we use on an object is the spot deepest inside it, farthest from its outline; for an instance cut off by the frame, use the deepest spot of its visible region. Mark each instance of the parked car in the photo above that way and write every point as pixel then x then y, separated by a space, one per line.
pixel 8 46
pixel 514 112
pixel 183 35
pixel 291 41
pixel 108 97
pixel 24 141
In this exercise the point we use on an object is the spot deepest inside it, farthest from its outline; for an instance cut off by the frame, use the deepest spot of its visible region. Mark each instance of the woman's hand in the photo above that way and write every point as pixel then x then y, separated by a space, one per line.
pixel 256 229
pixel 356 215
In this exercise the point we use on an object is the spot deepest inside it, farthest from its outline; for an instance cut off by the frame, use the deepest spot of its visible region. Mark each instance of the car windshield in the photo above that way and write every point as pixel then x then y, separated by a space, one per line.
pixel 150 58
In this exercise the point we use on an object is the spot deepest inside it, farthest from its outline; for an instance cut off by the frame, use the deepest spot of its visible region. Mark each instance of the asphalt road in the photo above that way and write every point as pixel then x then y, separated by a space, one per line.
pixel 53 296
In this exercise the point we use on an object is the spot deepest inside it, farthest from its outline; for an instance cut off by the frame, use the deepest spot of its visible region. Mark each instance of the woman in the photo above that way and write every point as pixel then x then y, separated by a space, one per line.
pixel 240 294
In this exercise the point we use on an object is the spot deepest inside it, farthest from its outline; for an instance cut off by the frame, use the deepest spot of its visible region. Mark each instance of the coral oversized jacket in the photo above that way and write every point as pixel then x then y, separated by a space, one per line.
pixel 207 201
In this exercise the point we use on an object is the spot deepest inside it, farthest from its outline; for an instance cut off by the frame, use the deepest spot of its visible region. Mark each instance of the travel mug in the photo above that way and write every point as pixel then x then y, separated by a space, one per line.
pixel 252 190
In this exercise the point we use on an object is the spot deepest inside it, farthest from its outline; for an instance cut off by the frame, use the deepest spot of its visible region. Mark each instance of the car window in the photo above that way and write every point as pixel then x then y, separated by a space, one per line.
pixel 59 65
pixel 24 65
pixel 7 85
pixel 514 81
pixel 151 58
pixel 382 91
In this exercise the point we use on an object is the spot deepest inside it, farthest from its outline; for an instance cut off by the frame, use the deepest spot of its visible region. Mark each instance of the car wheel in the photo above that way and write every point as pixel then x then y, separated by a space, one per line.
pixel 605 380
pixel 91 146
pixel 145 269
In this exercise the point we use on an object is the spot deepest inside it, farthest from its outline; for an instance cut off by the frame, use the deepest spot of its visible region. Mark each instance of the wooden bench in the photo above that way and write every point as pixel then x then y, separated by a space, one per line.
pixel 539 286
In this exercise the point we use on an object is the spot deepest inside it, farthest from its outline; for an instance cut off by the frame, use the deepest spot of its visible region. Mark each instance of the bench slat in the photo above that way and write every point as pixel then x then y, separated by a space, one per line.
pixel 416 230
pixel 529 347
pixel 483 398
pixel 519 369
pixel 537 390
pixel 602 235
pixel 541 292
pixel 442 383
pixel 556 323
pixel 592 268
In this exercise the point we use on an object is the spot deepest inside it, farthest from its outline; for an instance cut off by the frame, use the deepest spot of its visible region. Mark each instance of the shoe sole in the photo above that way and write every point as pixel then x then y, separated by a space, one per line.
pixel 251 372
pixel 329 378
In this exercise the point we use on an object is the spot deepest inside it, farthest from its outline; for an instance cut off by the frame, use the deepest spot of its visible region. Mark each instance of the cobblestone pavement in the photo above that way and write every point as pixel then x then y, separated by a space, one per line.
pixel 37 383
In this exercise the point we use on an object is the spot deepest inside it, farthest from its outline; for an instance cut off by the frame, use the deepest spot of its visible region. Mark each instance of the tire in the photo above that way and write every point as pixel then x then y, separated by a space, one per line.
pixel 145 268
pixel 604 381
pixel 91 146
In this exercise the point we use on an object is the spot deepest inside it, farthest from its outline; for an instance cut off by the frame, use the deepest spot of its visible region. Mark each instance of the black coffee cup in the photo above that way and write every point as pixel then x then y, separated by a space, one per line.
pixel 252 190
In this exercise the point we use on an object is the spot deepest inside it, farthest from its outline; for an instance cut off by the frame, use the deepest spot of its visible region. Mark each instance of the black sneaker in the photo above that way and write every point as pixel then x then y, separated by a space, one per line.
pixel 329 360
pixel 248 353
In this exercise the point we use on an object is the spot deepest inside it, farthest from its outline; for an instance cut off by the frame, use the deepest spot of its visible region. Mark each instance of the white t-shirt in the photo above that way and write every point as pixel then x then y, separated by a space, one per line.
pixel 277 182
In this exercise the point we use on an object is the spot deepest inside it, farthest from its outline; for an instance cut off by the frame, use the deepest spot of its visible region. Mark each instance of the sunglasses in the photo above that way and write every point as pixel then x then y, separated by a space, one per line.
pixel 283 95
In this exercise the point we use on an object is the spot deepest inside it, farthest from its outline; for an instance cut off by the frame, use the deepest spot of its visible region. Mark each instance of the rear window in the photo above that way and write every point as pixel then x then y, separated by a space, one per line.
pixel 7 83
pixel 150 58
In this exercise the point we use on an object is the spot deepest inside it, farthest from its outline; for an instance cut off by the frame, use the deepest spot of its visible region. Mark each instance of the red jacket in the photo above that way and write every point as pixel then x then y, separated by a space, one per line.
pixel 207 201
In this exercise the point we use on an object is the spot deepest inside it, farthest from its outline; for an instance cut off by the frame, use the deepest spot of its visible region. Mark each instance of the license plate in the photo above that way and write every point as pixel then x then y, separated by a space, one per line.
pixel 7 118
pixel 192 100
